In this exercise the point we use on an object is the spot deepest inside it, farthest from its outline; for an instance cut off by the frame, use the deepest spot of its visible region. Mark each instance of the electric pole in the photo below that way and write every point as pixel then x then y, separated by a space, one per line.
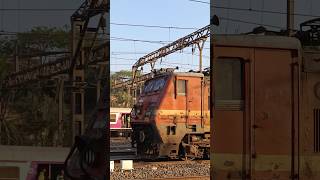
pixel 290 17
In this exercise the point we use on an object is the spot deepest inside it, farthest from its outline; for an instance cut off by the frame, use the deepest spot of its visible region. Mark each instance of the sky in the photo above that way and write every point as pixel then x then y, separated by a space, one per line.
pixel 168 13
pixel 181 13
pixel 306 7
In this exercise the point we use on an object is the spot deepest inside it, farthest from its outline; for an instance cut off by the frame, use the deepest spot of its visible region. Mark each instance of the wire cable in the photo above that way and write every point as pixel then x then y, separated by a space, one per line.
pixel 254 10
pixel 153 26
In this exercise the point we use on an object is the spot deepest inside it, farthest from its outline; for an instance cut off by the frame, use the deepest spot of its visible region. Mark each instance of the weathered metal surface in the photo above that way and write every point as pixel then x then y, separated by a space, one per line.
pixel 311 60
pixel 166 117
pixel 256 41
pixel 261 143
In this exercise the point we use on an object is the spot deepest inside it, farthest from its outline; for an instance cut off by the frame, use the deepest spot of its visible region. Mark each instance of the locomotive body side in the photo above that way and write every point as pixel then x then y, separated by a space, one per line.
pixel 179 114
pixel 309 130
pixel 255 120
pixel 170 124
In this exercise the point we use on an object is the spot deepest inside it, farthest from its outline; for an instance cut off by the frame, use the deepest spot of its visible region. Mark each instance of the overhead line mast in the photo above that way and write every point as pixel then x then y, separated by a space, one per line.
pixel 198 37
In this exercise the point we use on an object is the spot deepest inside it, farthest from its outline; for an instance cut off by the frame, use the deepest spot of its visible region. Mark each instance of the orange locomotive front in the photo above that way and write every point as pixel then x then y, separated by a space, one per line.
pixel 171 117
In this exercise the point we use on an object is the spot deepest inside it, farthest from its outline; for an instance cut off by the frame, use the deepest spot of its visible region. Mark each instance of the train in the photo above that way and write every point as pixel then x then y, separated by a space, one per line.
pixel 265 108
pixel 120 121
pixel 26 162
pixel 171 117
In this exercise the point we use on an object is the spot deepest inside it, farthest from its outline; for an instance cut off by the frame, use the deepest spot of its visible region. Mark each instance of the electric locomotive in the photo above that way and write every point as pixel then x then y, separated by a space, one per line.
pixel 171 117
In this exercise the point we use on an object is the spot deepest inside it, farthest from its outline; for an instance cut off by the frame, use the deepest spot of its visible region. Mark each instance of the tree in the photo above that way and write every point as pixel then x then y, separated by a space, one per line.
pixel 3 68
pixel 120 97
pixel 32 118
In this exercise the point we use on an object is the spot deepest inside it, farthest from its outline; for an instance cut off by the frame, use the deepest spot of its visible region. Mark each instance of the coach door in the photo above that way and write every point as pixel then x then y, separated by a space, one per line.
pixel 182 97
pixel 230 131
pixel 274 142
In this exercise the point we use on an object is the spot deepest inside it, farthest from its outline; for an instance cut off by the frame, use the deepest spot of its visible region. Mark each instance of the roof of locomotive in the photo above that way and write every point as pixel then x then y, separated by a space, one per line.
pixel 188 74
pixel 192 74
pixel 278 42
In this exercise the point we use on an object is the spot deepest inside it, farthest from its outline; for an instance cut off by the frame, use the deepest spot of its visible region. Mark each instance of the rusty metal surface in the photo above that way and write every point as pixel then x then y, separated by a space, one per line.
pixel 173 110
pixel 260 142
pixel 311 60
pixel 257 41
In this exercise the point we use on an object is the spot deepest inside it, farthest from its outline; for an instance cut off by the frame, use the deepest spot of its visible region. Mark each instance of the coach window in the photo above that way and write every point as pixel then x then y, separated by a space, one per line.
pixel 112 117
pixel 181 87
pixel 229 84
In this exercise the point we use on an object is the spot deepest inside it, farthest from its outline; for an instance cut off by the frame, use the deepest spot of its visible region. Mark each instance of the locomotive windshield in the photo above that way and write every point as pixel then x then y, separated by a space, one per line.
pixel 154 85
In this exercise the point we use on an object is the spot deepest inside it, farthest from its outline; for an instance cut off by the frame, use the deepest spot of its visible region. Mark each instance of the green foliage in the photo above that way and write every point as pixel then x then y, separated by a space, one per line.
pixel 6 46
pixel 120 97
pixel 44 38
pixel 121 74
pixel 32 118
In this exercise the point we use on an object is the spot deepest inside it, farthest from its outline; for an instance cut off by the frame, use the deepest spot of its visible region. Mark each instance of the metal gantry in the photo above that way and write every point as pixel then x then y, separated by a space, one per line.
pixel 198 37
pixel 86 50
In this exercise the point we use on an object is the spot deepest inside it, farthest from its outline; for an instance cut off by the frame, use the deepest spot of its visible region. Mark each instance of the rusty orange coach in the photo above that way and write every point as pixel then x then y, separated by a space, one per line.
pixel 171 117
pixel 266 108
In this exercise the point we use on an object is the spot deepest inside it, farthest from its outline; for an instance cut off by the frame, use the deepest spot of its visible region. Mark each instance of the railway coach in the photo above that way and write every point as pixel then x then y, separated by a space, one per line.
pixel 120 121
pixel 266 108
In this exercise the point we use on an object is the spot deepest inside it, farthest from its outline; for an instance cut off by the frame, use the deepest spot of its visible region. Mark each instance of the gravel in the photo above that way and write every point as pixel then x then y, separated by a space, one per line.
pixel 147 170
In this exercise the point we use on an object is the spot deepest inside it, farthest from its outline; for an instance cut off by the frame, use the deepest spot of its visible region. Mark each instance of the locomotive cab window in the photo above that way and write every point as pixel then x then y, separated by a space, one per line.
pixel 154 85
pixel 181 87
pixel 229 84
pixel 171 130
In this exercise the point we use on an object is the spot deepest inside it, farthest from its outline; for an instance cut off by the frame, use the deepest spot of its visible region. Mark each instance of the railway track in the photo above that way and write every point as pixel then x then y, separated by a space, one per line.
pixel 185 178
pixel 120 150
pixel 160 170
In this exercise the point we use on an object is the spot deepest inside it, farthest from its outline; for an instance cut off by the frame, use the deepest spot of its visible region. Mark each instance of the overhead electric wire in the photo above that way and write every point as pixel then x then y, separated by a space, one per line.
pixel 253 23
pixel 263 11
pixel 155 26
pixel 37 9
pixel 204 2
pixel 163 63
pixel 138 40
pixel 152 26
pixel 130 59
pixel 254 10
